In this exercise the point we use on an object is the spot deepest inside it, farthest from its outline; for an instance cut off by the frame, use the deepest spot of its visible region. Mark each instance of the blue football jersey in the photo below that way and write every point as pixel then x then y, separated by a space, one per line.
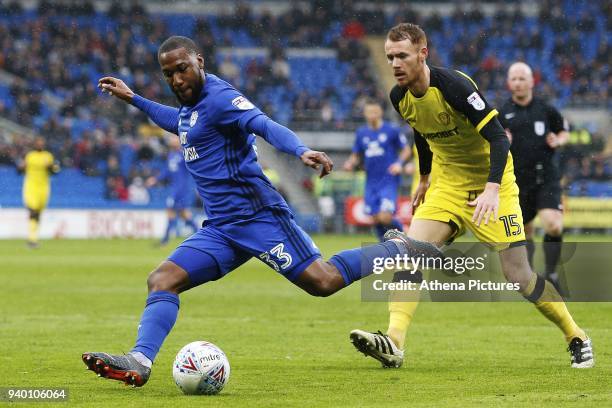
pixel 380 148
pixel 221 156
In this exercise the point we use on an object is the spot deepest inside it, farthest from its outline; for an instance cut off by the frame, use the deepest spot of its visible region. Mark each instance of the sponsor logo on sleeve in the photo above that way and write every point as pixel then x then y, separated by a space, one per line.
pixel 242 103
pixel 476 101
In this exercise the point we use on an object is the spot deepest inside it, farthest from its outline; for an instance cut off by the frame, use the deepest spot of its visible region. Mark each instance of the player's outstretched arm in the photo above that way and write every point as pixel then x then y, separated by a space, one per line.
pixel 285 140
pixel 166 117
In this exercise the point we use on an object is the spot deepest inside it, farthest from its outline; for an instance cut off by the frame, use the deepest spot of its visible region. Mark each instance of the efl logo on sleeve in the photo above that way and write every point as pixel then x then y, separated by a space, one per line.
pixel 242 103
pixel 476 101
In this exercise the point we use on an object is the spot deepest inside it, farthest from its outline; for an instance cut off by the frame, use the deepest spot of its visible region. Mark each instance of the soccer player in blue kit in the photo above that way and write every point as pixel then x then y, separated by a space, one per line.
pixel 247 217
pixel 181 196
pixel 385 151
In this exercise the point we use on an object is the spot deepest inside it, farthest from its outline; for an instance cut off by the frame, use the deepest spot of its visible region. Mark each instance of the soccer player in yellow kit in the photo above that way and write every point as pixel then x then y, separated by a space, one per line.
pixel 38 164
pixel 472 187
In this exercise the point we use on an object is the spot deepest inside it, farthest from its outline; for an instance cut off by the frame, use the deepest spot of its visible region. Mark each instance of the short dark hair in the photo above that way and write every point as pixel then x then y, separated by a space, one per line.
pixel 178 41
pixel 408 31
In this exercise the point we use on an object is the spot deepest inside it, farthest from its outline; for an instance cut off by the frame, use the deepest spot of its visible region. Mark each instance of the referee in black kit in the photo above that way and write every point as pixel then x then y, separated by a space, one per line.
pixel 536 129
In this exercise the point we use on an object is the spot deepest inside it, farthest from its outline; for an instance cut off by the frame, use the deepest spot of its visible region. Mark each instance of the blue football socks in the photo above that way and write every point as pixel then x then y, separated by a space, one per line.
pixel 354 264
pixel 157 320
pixel 172 223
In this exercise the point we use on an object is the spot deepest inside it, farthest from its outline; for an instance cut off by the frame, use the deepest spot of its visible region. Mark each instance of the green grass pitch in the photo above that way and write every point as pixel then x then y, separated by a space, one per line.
pixel 285 347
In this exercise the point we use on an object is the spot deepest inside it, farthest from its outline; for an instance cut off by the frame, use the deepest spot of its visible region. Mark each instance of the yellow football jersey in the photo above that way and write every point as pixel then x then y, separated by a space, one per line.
pixel 36 185
pixel 37 168
pixel 449 117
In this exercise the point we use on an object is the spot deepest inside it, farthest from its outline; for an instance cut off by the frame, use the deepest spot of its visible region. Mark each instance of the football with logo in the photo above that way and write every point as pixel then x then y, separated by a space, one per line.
pixel 201 368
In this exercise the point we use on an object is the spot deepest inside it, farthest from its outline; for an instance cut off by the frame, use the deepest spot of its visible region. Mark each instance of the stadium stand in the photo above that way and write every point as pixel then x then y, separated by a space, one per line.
pixel 308 67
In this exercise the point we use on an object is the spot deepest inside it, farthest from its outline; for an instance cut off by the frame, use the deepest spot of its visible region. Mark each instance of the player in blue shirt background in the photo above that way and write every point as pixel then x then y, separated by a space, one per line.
pixel 247 217
pixel 385 151
pixel 176 175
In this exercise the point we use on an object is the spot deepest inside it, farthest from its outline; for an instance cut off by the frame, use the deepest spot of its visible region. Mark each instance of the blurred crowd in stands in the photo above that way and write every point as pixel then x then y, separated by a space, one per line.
pixel 54 55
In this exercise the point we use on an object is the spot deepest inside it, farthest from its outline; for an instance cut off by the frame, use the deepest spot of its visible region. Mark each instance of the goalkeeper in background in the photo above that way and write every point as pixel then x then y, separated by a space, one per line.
pixel 38 164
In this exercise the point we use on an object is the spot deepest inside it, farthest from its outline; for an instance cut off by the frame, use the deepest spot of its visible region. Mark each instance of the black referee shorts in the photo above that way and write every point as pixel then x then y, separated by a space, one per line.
pixel 534 197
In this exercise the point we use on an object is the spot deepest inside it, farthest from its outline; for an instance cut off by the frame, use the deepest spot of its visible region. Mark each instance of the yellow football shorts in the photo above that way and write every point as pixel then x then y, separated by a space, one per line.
pixel 449 205
pixel 35 198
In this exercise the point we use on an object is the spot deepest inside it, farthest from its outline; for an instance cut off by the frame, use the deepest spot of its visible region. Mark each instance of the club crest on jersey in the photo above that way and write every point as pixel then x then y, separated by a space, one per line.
pixel 242 103
pixel 444 118
pixel 194 117
pixel 476 101
pixel 382 138
pixel 539 128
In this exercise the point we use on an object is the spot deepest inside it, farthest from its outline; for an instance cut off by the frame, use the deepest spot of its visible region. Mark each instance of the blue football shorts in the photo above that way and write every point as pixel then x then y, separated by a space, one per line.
pixel 271 235
pixel 179 201
pixel 382 197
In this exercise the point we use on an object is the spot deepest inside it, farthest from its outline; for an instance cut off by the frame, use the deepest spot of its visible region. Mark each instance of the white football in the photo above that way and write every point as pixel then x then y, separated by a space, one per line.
pixel 201 368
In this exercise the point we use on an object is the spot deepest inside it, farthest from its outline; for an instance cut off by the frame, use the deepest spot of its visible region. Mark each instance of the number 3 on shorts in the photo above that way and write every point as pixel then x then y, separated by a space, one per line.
pixel 279 252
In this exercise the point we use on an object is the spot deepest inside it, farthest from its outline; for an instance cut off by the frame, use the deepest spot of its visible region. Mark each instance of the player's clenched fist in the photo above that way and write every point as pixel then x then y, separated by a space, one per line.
pixel 314 159
pixel 116 87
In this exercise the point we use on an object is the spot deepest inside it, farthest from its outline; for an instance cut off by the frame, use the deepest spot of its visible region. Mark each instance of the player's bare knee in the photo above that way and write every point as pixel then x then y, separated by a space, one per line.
pixel 516 274
pixel 167 277
pixel 324 281
pixel 156 281
pixel 325 286
pixel 515 266
pixel 554 228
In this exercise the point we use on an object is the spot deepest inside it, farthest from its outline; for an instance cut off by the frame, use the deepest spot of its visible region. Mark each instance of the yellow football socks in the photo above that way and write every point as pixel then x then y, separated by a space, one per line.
pixel 548 301
pixel 400 317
